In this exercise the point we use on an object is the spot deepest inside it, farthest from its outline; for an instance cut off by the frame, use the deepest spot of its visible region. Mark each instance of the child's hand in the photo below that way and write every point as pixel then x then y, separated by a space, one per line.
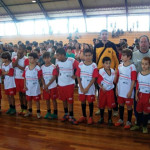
pixel 104 90
pixel 25 88
pixel 136 98
pixel 46 87
pixel 129 94
pixel 82 90
pixel 86 90
pixel 116 91
pixel 73 77
pixel 149 101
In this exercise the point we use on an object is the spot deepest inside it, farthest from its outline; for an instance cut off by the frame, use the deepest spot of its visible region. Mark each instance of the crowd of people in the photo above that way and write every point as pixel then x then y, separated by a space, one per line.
pixel 120 73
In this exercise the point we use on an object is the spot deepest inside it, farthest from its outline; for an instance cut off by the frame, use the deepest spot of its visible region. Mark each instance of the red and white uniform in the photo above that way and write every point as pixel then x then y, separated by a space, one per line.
pixel 126 75
pixel 66 71
pixel 106 98
pixel 65 81
pixel 86 73
pixel 143 86
pixel 107 81
pixel 9 81
pixel 21 62
pixel 48 72
pixel 32 81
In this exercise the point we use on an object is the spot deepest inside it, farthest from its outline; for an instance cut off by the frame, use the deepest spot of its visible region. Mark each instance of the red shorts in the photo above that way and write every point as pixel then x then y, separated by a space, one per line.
pixel 127 101
pixel 50 94
pixel 143 104
pixel 35 98
pixel 107 98
pixel 66 93
pixel 89 98
pixel 0 92
pixel 20 85
pixel 11 91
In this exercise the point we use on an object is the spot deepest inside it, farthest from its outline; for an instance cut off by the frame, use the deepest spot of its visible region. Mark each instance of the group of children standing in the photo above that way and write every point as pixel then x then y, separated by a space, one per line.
pixel 22 74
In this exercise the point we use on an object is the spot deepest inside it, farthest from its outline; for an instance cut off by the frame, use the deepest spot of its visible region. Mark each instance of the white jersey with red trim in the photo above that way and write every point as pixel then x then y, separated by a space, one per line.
pixel 9 81
pixel 21 62
pixel 48 72
pixel 108 80
pixel 66 71
pixel 126 75
pixel 144 83
pixel 32 81
pixel 86 73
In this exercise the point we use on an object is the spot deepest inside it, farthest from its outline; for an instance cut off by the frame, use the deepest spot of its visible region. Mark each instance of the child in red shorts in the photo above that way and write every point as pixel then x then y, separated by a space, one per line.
pixel 31 75
pixel 9 81
pixel 143 95
pixel 49 74
pixel 87 73
pixel 19 63
pixel 124 91
pixel 66 68
pixel 106 80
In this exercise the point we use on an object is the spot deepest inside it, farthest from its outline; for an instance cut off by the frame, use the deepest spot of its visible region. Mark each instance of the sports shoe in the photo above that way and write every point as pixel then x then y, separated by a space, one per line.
pixel 13 112
pixel 54 116
pixel 101 121
pixel 8 111
pixel 82 119
pixel 39 115
pixel 20 112
pixel 128 125
pixel 110 123
pixel 119 123
pixel 47 115
pixel 115 113
pixel 135 128
pixel 65 118
pixel 98 112
pixel 90 121
pixel 28 114
pixel 73 121
pixel 145 130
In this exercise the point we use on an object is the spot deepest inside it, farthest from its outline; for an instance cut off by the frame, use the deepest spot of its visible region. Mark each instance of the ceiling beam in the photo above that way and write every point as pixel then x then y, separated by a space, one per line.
pixel 8 11
pixel 127 13
pixel 42 9
pixel 82 7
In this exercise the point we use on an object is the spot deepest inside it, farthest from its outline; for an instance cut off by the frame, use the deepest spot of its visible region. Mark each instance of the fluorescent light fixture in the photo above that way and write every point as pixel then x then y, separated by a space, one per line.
pixel 33 1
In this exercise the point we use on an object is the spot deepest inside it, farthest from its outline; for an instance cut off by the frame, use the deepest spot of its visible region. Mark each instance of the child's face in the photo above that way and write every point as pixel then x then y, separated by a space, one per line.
pixel 106 65
pixel 60 57
pixel 47 60
pixel 125 58
pixel 32 60
pixel 4 60
pixel 28 51
pixel 88 57
pixel 20 53
pixel 69 51
pixel 145 65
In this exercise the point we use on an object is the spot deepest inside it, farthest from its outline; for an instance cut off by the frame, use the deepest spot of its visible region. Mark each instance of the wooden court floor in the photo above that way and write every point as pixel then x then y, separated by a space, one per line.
pixel 19 133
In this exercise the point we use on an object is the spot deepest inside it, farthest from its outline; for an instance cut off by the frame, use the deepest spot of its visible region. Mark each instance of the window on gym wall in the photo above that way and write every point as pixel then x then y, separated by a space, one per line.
pixel 76 25
pixel 58 26
pixel 118 22
pixel 96 24
pixel 26 28
pixel 138 23
pixel 10 29
pixel 2 33
pixel 41 27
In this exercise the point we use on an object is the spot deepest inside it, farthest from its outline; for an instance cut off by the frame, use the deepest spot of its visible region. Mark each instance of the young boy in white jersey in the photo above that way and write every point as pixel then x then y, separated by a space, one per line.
pixel 106 79
pixel 143 95
pixel 19 63
pixel 9 81
pixel 49 74
pixel 66 81
pixel 126 80
pixel 31 75
pixel 87 73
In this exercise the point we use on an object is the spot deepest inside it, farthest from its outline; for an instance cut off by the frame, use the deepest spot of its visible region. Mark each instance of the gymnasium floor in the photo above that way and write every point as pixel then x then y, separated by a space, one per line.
pixel 19 133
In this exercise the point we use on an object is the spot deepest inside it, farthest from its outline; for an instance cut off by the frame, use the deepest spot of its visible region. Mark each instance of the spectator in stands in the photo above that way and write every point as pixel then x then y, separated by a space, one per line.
pixel 15 48
pixel 69 52
pixel 29 50
pixel 77 51
pixel 51 44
